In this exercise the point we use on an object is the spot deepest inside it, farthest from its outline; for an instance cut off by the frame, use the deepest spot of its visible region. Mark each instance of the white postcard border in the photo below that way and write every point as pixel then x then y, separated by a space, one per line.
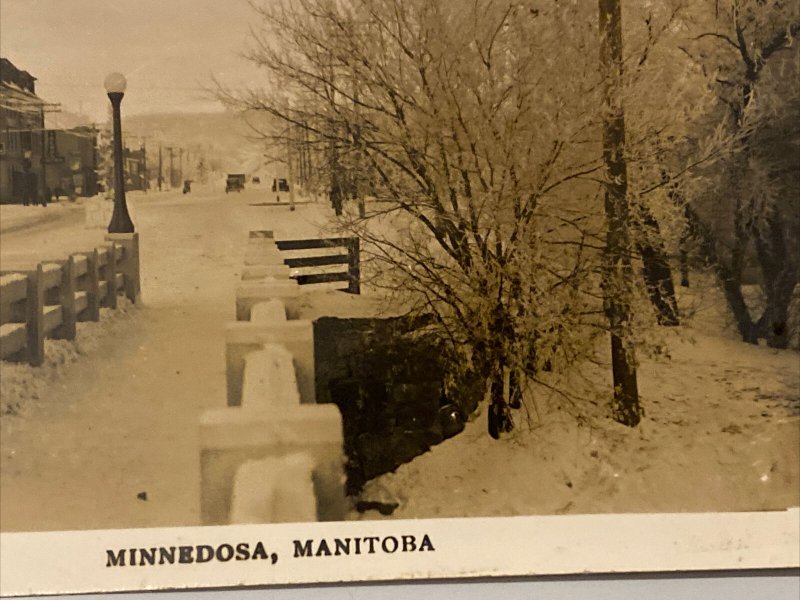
pixel 78 562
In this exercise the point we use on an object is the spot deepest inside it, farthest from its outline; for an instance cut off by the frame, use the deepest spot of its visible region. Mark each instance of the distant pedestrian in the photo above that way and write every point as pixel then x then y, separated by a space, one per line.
pixel 31 195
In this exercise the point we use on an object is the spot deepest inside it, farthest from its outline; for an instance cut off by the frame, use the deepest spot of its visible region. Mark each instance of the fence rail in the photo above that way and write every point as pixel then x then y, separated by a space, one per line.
pixel 48 300
pixel 352 259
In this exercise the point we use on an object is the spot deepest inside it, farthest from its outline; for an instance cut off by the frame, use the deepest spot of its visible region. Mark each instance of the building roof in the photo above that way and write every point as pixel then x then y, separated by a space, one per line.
pixel 13 98
pixel 10 74
pixel 18 91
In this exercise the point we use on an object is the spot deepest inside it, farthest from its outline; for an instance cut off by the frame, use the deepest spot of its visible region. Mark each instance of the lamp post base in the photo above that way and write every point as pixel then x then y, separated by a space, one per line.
pixel 120 220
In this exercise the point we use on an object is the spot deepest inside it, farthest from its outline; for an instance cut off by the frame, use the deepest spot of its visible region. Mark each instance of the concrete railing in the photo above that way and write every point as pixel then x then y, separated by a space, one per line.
pixel 47 301
pixel 273 455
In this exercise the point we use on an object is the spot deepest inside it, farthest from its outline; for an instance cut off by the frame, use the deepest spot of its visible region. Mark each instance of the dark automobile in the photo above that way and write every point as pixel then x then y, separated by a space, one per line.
pixel 235 182
pixel 280 185
pixel 256 180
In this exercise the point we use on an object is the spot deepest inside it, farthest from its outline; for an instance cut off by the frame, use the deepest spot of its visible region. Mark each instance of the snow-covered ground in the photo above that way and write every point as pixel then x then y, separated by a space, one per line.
pixel 721 433
pixel 16 219
pixel 104 435
pixel 29 234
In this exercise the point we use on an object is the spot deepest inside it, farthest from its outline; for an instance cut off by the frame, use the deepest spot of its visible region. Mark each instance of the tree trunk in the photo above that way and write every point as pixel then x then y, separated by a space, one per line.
pixel 732 287
pixel 619 273
pixel 656 270
pixel 658 280
pixel 337 193
pixel 780 279
pixel 683 252
pixel 514 398
pixel 684 258
pixel 502 387
pixel 729 275
pixel 499 413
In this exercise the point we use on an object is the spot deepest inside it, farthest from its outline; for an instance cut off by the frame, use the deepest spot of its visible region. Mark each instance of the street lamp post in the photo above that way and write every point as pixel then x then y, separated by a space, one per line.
pixel 121 222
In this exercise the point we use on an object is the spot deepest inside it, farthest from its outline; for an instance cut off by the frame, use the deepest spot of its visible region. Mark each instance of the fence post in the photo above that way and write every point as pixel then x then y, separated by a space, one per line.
pixel 354 265
pixel 66 298
pixel 111 277
pixel 130 264
pixel 92 286
pixel 34 318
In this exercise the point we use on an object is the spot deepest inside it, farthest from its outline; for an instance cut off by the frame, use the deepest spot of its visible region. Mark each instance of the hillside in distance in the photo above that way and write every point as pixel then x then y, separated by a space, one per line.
pixel 223 139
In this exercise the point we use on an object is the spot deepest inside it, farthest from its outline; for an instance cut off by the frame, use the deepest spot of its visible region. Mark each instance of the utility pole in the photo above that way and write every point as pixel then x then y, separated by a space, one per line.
pixel 290 174
pixel 145 176
pixel 171 168
pixel 146 179
pixel 94 159
pixel 44 163
pixel 180 165
pixel 160 166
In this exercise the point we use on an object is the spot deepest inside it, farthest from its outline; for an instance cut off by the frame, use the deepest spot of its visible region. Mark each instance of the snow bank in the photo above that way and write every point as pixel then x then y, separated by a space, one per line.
pixel 721 433
pixel 21 384
pixel 16 217
pixel 98 211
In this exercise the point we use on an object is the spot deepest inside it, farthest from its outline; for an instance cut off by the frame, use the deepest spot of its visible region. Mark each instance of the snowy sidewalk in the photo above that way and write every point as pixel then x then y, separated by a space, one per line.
pixel 16 217
pixel 112 443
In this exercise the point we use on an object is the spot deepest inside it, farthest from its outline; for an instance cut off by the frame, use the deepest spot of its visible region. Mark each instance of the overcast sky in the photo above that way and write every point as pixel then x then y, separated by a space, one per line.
pixel 167 49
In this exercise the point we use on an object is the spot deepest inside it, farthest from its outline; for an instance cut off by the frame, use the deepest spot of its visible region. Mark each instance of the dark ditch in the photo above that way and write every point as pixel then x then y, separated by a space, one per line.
pixel 389 384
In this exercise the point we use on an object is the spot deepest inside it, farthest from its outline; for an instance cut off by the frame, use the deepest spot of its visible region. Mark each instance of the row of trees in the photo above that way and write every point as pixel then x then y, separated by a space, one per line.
pixel 535 164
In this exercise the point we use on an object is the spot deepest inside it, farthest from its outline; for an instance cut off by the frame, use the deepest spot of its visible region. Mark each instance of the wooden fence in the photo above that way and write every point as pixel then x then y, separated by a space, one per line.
pixel 49 300
pixel 352 259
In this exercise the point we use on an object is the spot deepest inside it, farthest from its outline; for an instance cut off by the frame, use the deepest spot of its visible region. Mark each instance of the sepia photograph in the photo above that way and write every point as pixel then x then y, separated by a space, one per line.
pixel 289 286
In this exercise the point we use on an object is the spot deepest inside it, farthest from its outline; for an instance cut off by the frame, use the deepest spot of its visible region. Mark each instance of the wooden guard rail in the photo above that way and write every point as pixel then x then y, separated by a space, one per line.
pixel 352 259
pixel 50 299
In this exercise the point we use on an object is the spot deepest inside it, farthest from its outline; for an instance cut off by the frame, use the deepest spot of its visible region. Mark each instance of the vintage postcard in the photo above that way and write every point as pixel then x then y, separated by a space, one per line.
pixel 357 290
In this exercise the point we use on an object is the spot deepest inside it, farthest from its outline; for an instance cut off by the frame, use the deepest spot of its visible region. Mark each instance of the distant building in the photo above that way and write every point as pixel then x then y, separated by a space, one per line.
pixel 135 169
pixel 21 136
pixel 71 159
pixel 37 162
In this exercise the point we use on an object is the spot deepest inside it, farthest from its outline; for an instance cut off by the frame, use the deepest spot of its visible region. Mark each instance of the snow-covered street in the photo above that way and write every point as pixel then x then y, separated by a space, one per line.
pixel 109 438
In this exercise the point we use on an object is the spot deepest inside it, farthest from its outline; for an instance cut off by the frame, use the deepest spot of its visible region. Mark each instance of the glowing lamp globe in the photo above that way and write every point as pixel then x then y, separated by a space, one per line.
pixel 115 83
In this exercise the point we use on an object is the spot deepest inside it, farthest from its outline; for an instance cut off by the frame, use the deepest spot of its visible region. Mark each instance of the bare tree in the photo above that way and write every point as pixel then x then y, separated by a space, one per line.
pixel 473 127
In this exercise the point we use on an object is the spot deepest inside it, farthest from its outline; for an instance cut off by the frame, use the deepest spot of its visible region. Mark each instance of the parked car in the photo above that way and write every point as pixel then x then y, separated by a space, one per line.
pixel 280 185
pixel 256 180
pixel 235 182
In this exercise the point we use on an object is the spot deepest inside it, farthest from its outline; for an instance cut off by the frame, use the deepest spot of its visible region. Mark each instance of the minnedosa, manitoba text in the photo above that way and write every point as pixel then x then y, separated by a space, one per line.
pixel 203 553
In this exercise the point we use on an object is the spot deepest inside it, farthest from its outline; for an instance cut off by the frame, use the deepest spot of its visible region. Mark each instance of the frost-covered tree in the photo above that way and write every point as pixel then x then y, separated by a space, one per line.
pixel 477 127
pixel 105 160
pixel 745 208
